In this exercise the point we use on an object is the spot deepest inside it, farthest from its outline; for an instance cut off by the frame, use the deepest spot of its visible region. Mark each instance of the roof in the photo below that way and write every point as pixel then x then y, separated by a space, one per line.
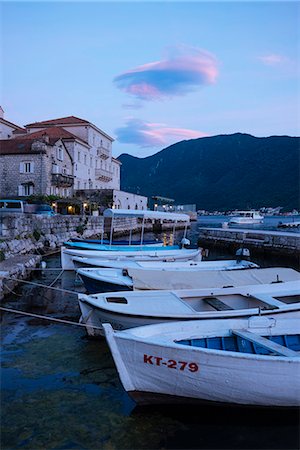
pixel 54 134
pixel 70 120
pixel 16 146
pixel 146 214
pixel 66 121
pixel 12 125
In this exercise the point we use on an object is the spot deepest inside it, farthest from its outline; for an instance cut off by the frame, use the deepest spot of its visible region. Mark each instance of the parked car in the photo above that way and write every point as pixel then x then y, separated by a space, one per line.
pixel 12 206
pixel 45 210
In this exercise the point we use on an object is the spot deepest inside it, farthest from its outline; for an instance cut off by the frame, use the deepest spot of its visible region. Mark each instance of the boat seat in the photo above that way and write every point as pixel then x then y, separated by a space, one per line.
pixel 217 304
pixel 268 300
pixel 272 346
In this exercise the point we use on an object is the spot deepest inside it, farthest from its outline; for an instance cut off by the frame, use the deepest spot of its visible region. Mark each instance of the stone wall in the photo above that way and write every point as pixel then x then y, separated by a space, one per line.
pixel 27 233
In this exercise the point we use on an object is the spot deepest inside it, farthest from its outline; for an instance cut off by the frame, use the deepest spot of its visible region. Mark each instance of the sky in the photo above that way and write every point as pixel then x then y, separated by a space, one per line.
pixel 154 73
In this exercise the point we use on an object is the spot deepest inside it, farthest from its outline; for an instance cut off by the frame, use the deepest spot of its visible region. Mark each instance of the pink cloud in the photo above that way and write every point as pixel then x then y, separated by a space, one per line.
pixel 147 134
pixel 186 69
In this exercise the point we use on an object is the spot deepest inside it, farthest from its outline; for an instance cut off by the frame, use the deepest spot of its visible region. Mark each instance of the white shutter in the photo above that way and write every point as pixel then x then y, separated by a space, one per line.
pixel 32 167
pixel 21 167
pixel 20 190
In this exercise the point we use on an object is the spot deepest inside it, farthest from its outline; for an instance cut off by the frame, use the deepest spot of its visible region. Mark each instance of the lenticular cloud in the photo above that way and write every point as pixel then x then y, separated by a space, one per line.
pixel 147 134
pixel 175 75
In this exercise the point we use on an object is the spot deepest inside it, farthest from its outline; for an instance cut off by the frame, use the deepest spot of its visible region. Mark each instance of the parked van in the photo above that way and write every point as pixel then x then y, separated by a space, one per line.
pixel 44 210
pixel 12 206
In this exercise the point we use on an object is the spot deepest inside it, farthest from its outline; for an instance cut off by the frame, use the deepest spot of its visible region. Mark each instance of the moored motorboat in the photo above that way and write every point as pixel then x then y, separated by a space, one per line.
pixel 253 361
pixel 164 275
pixel 246 217
pixel 129 309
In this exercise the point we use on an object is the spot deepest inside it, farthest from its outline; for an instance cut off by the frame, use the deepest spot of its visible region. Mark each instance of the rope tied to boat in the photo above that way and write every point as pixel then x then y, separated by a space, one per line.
pixel 50 319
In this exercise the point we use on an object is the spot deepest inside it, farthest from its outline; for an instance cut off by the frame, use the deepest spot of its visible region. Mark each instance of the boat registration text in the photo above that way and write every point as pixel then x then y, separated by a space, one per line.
pixel 171 363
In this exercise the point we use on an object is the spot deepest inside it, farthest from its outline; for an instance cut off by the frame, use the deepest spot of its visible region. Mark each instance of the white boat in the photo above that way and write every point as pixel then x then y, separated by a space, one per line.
pixel 139 252
pixel 246 217
pixel 183 254
pixel 252 361
pixel 129 309
pixel 181 275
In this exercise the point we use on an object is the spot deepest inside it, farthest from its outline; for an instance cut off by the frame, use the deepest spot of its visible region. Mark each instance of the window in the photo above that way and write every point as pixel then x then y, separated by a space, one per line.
pixel 27 167
pixel 85 159
pixel 25 189
pixel 78 157
pixel 78 184
pixel 60 153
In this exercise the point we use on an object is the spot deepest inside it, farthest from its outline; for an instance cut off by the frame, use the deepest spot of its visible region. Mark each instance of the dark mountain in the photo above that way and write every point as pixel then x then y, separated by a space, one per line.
pixel 220 172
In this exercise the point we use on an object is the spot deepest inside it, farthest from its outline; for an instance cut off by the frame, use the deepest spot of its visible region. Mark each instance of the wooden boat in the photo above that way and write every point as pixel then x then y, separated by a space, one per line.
pixel 124 263
pixel 183 254
pixel 132 309
pixel 252 361
pixel 110 247
pixel 139 252
pixel 184 275
pixel 119 241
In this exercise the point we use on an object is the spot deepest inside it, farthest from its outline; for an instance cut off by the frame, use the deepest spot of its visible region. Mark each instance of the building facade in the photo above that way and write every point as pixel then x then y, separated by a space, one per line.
pixel 90 149
pixel 35 167
pixel 66 157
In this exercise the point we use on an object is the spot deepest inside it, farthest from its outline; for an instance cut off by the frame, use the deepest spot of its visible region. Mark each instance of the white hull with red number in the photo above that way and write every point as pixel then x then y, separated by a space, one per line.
pixel 157 362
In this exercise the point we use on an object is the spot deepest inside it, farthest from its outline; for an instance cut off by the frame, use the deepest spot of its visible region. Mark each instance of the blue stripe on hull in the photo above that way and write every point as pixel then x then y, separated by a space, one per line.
pixel 97 286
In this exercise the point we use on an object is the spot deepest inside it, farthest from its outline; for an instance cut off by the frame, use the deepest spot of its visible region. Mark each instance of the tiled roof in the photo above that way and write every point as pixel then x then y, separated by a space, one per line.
pixel 16 146
pixel 54 134
pixel 22 144
pixel 70 120
pixel 10 124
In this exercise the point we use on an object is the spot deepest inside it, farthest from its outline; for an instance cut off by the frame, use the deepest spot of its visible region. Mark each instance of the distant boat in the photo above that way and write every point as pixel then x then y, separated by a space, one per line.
pixel 181 275
pixel 129 309
pixel 246 217
pixel 251 361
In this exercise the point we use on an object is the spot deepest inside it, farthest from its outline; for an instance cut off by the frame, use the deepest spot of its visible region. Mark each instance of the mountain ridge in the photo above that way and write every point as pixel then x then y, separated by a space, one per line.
pixel 225 171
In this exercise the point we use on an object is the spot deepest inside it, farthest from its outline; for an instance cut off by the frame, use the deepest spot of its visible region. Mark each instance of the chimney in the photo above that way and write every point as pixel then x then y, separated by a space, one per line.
pixel 45 138
pixel 1 113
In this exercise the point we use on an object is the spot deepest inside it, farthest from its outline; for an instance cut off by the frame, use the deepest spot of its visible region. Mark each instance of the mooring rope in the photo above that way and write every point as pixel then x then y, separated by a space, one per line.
pixel 51 319
pixel 40 285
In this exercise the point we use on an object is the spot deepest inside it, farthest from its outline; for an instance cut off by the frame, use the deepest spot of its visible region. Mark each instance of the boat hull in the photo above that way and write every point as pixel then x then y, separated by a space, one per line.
pixel 202 374
pixel 95 286
pixel 95 317
pixel 146 255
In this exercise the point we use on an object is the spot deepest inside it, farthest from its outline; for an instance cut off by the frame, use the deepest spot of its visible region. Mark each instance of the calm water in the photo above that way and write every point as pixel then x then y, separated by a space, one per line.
pixel 60 390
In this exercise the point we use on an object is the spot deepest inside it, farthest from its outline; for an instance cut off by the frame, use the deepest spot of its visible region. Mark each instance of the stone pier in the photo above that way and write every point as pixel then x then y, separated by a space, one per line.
pixel 260 241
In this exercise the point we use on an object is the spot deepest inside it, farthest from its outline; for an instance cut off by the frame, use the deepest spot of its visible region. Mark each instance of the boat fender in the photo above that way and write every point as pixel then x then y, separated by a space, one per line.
pixel 185 242
pixel 125 272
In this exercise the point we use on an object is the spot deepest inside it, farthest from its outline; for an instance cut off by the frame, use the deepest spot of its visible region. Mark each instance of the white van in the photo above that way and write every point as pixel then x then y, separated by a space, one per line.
pixel 12 206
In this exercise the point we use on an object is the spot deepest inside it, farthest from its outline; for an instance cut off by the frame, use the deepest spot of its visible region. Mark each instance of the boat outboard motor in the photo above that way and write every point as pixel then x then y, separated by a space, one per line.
pixel 242 253
pixel 185 242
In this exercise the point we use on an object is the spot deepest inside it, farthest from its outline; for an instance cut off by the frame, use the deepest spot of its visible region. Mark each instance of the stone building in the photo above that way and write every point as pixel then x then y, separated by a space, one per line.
pixel 35 165
pixel 91 151
pixel 61 157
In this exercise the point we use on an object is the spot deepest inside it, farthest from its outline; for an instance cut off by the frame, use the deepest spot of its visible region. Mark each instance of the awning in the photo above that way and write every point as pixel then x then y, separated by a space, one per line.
pixel 146 214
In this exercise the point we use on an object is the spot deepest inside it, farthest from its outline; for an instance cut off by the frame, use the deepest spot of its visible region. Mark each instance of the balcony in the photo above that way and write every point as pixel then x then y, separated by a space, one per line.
pixel 62 180
pixel 103 152
pixel 103 175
